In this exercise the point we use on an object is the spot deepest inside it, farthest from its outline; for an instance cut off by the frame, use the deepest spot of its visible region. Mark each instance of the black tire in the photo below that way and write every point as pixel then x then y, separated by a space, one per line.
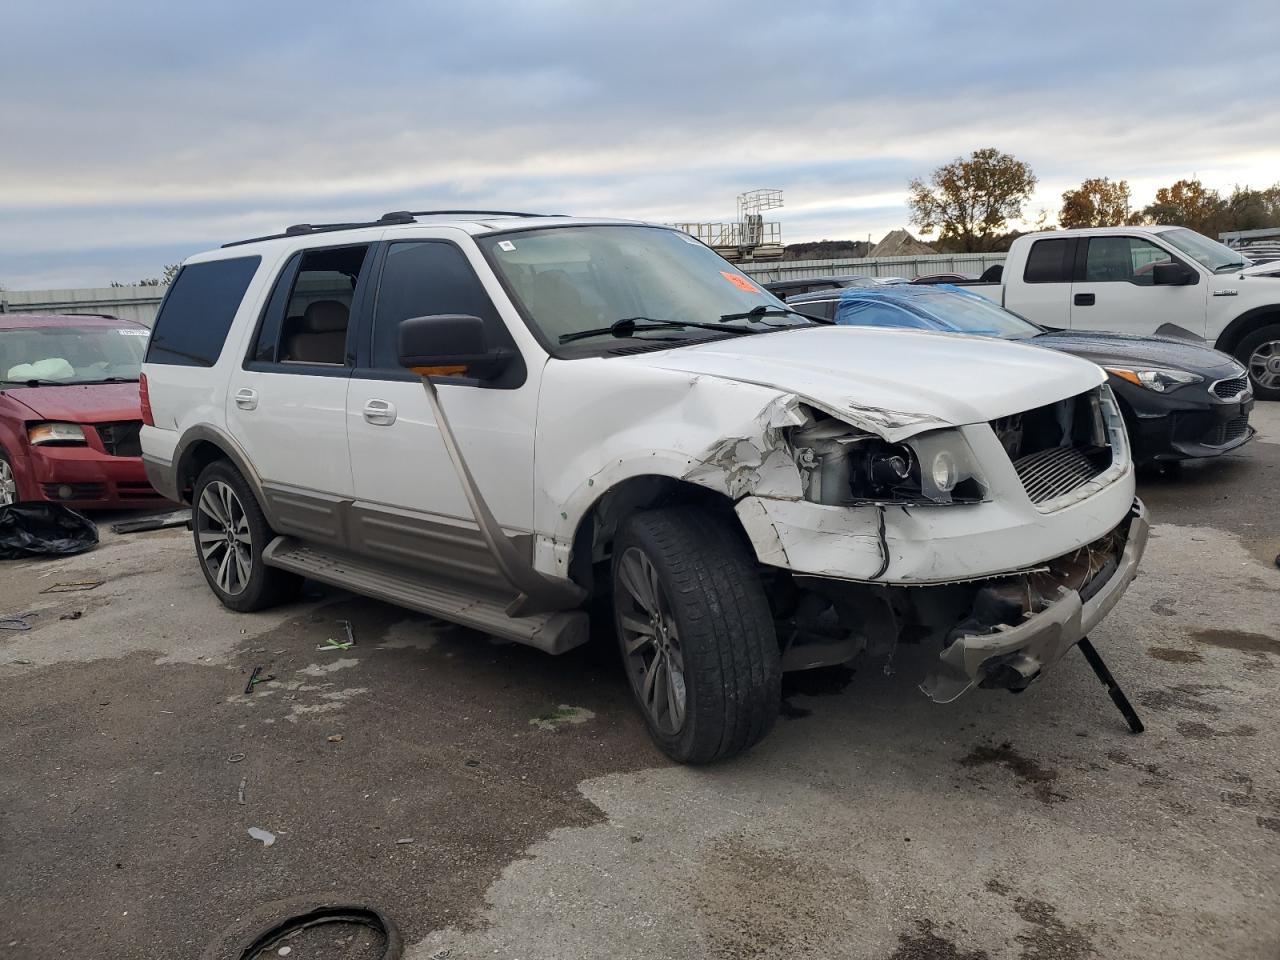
pixel 1248 346
pixel 719 637
pixel 250 585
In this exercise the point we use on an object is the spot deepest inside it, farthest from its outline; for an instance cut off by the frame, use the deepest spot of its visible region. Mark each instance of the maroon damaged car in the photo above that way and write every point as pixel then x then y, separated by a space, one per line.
pixel 70 412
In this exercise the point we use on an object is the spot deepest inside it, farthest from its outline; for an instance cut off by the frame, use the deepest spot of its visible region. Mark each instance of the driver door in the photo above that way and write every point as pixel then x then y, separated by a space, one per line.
pixel 409 504
pixel 1116 291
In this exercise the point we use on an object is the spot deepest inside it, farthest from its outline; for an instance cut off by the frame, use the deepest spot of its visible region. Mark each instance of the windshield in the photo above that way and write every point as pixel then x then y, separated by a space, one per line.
pixel 57 355
pixel 572 280
pixel 943 307
pixel 1208 253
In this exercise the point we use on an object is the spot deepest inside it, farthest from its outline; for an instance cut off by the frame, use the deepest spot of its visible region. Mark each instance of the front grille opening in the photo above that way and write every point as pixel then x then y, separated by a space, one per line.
pixel 121 439
pixel 1056 448
pixel 1227 432
pixel 1230 389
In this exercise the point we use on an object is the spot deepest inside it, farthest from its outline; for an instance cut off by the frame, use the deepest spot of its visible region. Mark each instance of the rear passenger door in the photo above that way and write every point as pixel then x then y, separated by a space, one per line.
pixel 286 402
pixel 410 507
pixel 1044 293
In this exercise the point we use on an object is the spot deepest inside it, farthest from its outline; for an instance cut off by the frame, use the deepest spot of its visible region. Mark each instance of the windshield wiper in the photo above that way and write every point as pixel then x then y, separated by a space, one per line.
pixel 755 313
pixel 629 325
pixel 111 380
pixel 37 382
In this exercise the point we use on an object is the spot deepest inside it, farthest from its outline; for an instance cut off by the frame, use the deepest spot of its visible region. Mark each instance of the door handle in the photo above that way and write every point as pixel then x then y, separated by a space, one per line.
pixel 1083 299
pixel 247 399
pixel 380 413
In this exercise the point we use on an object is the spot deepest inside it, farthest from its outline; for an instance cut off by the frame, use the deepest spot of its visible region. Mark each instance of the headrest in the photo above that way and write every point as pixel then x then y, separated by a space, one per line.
pixel 325 316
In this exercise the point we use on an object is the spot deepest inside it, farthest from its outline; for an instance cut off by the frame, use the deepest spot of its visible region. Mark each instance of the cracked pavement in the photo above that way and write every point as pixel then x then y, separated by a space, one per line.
pixel 501 803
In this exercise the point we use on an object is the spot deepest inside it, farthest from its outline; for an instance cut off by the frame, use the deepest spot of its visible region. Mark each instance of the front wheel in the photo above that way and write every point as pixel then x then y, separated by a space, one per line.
pixel 1259 351
pixel 230 534
pixel 696 634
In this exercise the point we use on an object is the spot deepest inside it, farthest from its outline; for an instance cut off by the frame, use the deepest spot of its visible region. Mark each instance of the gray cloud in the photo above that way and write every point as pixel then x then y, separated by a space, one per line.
pixel 166 128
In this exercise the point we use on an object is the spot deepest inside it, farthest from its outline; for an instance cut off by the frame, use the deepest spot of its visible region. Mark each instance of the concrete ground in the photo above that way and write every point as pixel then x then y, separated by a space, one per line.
pixel 500 803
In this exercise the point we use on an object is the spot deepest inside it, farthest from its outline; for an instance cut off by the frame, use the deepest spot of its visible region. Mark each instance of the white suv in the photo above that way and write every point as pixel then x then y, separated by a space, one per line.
pixel 501 418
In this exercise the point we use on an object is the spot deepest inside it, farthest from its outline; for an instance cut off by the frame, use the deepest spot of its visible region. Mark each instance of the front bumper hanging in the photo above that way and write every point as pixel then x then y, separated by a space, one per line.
pixel 1013 656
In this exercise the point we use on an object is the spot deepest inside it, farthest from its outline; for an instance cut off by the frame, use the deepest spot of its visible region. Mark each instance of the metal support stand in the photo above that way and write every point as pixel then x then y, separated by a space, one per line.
pixel 1113 688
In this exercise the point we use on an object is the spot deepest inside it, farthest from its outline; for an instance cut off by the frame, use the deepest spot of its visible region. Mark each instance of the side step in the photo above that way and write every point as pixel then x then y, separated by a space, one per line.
pixel 553 632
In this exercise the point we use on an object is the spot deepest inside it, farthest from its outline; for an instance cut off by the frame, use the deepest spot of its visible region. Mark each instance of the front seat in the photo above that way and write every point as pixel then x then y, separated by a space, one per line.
pixel 321 336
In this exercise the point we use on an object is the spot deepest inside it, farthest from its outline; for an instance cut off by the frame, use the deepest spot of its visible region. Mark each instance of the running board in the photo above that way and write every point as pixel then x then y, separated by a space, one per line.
pixel 553 632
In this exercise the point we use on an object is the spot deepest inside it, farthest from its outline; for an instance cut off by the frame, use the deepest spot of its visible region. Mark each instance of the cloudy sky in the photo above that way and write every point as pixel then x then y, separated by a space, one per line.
pixel 134 134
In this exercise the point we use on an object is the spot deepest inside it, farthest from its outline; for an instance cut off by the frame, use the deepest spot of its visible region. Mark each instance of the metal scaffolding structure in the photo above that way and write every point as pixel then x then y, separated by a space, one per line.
pixel 748 238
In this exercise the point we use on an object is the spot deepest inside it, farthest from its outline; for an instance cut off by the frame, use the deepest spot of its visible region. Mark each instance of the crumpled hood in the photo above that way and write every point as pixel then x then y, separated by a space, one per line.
pixel 894 382
pixel 1119 349
pixel 84 403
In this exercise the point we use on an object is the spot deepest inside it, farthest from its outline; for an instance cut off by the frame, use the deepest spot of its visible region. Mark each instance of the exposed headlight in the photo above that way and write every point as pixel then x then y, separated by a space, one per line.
pixel 945 473
pixel 1159 379
pixel 69 433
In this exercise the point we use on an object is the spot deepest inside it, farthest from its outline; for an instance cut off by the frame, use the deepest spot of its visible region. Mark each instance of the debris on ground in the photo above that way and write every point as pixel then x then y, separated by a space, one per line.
pixel 73 586
pixel 561 716
pixel 407 840
pixel 73 615
pixel 266 836
pixel 17 621
pixel 332 644
pixel 44 530
pixel 351 634
pixel 235 758
pixel 162 521
pixel 240 793
pixel 256 678
pixel 336 738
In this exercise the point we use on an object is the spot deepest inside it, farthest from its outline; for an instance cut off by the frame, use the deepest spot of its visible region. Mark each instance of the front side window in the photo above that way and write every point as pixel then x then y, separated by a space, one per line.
pixel 71 354
pixel 570 280
pixel 423 278
pixel 1123 260
pixel 198 309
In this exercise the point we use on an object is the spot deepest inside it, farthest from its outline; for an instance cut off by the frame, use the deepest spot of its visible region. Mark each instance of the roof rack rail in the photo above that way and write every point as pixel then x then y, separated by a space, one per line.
pixel 394 217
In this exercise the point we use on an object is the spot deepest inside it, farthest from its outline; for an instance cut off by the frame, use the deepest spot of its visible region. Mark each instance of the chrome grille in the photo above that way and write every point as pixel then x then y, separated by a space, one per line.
pixel 1229 431
pixel 1050 473
pixel 1230 389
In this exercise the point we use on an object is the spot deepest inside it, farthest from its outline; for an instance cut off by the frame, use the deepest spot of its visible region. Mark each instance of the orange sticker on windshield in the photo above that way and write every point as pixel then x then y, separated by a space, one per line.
pixel 739 281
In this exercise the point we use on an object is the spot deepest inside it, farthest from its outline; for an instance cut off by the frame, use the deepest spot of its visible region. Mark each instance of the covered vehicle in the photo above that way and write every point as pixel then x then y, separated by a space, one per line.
pixel 70 411
pixel 1181 399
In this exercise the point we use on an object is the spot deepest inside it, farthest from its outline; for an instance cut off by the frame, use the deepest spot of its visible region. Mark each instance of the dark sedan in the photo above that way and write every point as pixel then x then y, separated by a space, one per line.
pixel 1181 399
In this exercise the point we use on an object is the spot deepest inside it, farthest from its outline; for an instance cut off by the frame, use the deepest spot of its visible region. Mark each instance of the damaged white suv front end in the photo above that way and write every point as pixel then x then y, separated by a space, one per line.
pixel 993 520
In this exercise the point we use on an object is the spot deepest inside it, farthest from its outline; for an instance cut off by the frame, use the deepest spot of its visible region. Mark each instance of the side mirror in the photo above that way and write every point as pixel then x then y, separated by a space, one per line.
pixel 1171 274
pixel 449 344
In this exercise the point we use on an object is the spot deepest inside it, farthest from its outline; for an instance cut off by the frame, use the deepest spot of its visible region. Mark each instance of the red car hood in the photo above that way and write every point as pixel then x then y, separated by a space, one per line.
pixel 84 403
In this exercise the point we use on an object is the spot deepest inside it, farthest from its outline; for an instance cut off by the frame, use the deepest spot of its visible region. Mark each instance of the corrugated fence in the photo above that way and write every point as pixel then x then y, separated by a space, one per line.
pixel 141 303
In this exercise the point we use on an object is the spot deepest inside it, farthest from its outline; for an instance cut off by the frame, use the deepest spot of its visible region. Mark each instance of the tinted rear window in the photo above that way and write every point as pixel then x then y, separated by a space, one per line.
pixel 1050 261
pixel 198 310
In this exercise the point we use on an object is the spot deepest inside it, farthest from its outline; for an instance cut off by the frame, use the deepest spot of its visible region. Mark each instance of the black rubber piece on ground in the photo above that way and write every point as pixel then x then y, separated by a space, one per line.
pixel 733 677
pixel 267 585
pixel 365 916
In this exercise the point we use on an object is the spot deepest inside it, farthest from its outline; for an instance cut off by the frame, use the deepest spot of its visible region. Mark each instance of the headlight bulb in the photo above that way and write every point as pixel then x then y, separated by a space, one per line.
pixel 944 471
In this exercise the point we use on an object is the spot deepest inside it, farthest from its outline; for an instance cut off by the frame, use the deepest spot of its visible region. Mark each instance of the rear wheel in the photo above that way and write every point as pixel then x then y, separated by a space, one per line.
pixel 1259 351
pixel 230 534
pixel 696 634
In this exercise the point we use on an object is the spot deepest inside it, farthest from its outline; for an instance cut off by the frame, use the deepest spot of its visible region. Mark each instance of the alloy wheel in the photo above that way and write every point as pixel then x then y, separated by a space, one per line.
pixel 222 533
pixel 1264 365
pixel 8 484
pixel 650 642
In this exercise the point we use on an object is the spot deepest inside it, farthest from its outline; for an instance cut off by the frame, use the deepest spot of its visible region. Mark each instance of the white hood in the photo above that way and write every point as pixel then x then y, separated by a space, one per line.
pixel 895 382
pixel 1261 270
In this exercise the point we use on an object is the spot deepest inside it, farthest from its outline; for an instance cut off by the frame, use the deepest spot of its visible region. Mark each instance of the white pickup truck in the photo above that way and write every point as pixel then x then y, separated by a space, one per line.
pixel 1148 280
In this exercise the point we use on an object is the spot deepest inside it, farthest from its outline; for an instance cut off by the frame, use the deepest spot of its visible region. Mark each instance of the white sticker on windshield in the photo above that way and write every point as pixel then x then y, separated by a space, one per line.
pixel 506 245
pixel 128 332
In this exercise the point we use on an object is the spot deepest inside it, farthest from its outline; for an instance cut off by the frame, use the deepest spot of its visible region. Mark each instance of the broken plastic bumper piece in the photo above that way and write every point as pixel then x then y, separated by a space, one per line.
pixel 1013 656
